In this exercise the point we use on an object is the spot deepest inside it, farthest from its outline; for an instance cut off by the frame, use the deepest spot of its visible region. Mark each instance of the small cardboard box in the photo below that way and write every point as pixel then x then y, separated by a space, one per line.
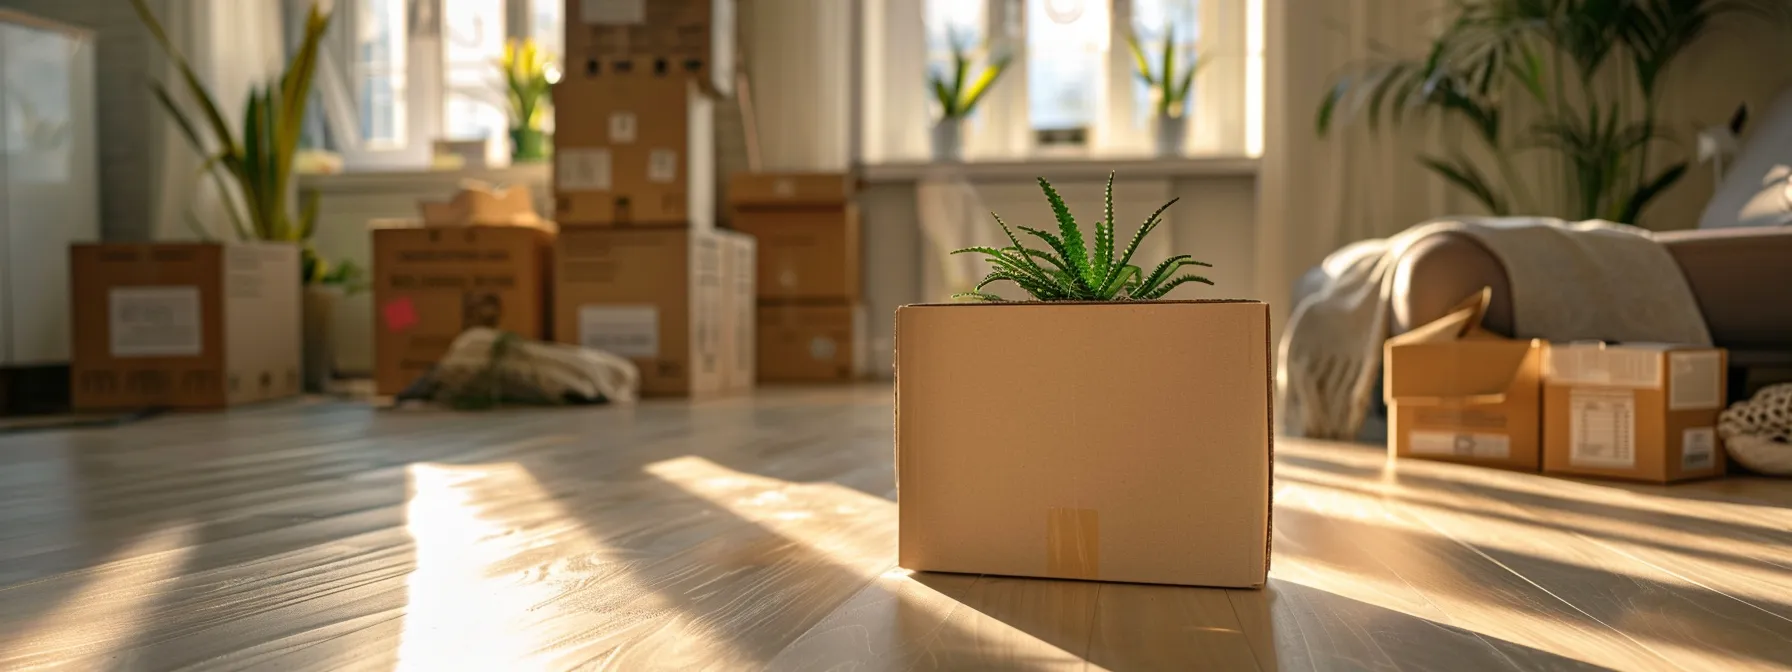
pixel 692 37
pixel 1459 393
pixel 633 149
pixel 431 284
pixel 748 191
pixel 184 325
pixel 739 317
pixel 654 296
pixel 1645 412
pixel 811 342
pixel 1109 441
pixel 805 253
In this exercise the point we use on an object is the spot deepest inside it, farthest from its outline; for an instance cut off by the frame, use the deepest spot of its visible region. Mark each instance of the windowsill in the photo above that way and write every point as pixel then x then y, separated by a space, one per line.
pixel 1066 168
pixel 405 180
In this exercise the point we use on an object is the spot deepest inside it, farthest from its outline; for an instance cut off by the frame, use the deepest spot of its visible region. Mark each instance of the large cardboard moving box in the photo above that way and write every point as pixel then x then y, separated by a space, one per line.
pixel 1644 412
pixel 1459 393
pixel 811 343
pixel 739 317
pixel 633 148
pixel 805 253
pixel 184 325
pixel 431 284
pixel 775 191
pixel 692 37
pixel 654 296
pixel 1116 442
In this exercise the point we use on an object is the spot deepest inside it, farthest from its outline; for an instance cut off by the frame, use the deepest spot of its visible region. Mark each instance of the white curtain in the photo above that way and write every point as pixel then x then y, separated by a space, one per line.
pixel 233 45
pixel 798 56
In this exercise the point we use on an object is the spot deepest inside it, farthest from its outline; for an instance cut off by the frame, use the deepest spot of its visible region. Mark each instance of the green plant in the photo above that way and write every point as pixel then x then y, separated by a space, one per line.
pixel 958 97
pixel 257 161
pixel 1547 58
pixel 529 76
pixel 1072 272
pixel 1170 91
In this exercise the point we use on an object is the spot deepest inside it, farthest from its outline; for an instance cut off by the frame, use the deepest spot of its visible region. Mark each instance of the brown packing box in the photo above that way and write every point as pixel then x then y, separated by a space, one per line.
pixel 633 148
pixel 1459 393
pixel 805 253
pixel 739 317
pixel 1117 442
pixel 783 190
pixel 1645 412
pixel 693 37
pixel 184 325
pixel 431 284
pixel 654 296
pixel 811 342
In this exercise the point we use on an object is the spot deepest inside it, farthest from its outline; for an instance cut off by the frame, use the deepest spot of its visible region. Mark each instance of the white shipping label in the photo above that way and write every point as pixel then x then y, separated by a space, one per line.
pixel 613 11
pixel 1695 381
pixel 155 321
pixel 1462 444
pixel 784 187
pixel 1594 365
pixel 583 170
pixel 662 166
pixel 625 331
pixel 622 128
pixel 1602 429
pixel 822 349
pixel 1698 448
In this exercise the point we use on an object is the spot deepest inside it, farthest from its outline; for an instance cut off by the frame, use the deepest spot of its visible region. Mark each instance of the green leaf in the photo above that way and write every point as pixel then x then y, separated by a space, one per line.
pixel 1139 60
pixel 1124 280
pixel 1169 69
pixel 1465 177
pixel 1104 232
pixel 948 107
pixel 1633 209
pixel 1178 282
pixel 980 296
pixel 1075 252
pixel 1166 269
pixel 983 84
pixel 1070 268
pixel 1139 236
pixel 1328 107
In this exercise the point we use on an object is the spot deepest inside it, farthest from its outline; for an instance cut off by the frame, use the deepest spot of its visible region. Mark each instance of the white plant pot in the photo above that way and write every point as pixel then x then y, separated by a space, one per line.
pixel 1172 135
pixel 320 353
pixel 948 141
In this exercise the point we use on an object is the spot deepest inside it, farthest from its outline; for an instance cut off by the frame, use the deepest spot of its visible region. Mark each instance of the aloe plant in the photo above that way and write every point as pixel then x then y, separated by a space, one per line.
pixel 956 94
pixel 1171 91
pixel 1073 272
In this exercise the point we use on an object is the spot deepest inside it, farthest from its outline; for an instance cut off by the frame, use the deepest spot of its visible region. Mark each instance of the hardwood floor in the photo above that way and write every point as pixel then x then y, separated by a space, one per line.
pixel 759 533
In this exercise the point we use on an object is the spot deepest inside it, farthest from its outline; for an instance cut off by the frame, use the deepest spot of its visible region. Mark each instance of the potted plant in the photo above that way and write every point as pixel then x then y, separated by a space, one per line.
pixel 333 283
pixel 253 169
pixel 957 95
pixel 1169 91
pixel 529 75
pixel 1097 431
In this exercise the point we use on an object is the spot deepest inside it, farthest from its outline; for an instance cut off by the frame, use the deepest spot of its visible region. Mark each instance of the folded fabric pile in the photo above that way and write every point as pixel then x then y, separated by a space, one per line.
pixel 485 368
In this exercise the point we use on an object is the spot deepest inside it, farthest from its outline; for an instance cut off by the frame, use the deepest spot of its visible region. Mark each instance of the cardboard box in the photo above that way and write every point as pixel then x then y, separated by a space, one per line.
pixel 633 148
pixel 811 342
pixel 694 38
pixel 431 284
pixel 1459 393
pixel 747 191
pixel 654 296
pixel 1109 441
pixel 1645 412
pixel 739 311
pixel 184 325
pixel 805 253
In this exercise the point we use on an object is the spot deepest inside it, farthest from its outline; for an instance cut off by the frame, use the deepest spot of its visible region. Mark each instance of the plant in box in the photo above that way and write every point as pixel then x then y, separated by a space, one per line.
pixel 1098 431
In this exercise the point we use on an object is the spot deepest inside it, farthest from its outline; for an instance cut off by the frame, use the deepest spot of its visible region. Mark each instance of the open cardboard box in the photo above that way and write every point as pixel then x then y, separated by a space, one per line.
pixel 1459 393
pixel 1113 441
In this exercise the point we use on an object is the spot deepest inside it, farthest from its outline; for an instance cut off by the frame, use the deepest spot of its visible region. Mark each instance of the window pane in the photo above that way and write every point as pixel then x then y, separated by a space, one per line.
pixel 547 26
pixel 379 71
pixel 1152 21
pixel 473 42
pixel 1067 43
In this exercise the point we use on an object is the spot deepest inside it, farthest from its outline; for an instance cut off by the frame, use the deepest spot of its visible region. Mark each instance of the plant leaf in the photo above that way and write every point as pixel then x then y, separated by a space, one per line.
pixel 1076 253
pixel 1138 58
pixel 1465 177
pixel 1104 233
pixel 1124 280
pixel 1178 282
pixel 1137 237
pixel 1633 209
pixel 983 84
pixel 980 296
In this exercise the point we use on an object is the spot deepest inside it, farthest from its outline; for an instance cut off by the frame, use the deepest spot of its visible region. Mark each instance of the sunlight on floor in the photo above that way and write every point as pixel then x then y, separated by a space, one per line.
pixel 115 603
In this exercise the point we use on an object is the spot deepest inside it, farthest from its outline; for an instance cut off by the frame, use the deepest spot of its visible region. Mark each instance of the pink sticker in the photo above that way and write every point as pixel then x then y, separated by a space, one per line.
pixel 400 314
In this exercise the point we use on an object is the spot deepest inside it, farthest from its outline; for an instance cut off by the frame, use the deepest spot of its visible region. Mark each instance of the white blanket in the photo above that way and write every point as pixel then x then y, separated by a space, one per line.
pixel 1587 281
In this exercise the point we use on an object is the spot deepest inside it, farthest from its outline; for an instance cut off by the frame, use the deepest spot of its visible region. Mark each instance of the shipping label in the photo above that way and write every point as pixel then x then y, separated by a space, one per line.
pixel 1695 381
pixel 155 321
pixel 1602 429
pixel 583 169
pixel 1461 444
pixel 631 331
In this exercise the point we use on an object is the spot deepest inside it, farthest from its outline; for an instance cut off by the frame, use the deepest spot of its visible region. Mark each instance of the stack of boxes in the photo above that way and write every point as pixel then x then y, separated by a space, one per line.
pixel 639 268
pixel 811 323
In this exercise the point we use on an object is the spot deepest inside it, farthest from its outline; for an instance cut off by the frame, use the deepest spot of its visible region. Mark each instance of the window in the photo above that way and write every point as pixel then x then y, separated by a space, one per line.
pixel 1072 87
pixel 380 71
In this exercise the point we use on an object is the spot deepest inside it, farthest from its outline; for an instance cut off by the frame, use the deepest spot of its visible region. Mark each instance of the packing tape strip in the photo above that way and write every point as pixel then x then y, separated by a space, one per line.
pixel 1073 543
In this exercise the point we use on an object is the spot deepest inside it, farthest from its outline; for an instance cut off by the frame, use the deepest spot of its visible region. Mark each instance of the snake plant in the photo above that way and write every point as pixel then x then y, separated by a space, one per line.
pixel 1169 90
pixel 1072 272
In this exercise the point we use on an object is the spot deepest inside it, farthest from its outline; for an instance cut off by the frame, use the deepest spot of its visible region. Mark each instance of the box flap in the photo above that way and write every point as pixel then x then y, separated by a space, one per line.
pixel 1453 360
pixel 1463 322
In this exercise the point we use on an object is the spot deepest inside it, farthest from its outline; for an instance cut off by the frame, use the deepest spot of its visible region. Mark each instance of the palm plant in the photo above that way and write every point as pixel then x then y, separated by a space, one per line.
pixel 258 160
pixel 955 91
pixel 1170 90
pixel 1545 57
pixel 1071 271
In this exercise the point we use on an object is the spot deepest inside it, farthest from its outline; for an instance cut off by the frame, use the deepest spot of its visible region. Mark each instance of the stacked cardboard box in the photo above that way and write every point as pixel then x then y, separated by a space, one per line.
pixel 1459 393
pixel 691 37
pixel 811 324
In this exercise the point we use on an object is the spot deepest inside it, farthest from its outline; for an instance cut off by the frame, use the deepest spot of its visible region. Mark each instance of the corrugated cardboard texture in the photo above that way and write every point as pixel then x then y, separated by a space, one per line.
pixel 805 253
pixel 175 325
pixel 692 37
pixel 633 147
pixel 811 343
pixel 750 191
pixel 1657 432
pixel 431 284
pixel 1012 420
pixel 740 314
pixel 658 290
pixel 1475 401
